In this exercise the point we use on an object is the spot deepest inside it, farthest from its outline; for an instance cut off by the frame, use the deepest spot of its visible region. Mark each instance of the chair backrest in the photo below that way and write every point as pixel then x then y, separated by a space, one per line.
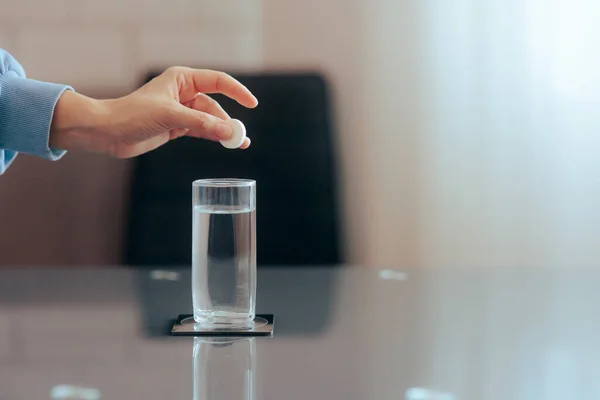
pixel 291 158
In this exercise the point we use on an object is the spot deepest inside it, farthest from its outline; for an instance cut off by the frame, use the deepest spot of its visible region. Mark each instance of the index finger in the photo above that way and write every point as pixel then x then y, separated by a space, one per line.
pixel 209 81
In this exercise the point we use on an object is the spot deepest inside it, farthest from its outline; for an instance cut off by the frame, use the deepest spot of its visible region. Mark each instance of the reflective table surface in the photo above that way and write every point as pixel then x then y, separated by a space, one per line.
pixel 340 333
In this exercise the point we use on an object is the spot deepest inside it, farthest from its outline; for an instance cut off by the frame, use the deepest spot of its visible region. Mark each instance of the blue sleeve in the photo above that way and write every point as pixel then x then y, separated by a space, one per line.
pixel 26 110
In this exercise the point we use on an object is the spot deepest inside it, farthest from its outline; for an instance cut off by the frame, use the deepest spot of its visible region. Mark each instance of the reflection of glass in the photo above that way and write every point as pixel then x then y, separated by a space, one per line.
pixel 224 368
pixel 427 394
pixel 224 252
pixel 70 392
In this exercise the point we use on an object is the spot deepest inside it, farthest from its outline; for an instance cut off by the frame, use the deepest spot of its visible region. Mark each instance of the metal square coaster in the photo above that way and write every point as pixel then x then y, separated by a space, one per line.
pixel 264 325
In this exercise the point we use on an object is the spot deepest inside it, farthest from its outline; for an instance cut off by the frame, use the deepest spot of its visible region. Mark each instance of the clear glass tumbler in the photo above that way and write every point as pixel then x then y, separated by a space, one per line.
pixel 224 252
pixel 224 369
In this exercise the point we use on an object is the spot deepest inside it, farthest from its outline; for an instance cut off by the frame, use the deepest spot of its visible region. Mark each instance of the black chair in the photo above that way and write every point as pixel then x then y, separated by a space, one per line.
pixel 291 158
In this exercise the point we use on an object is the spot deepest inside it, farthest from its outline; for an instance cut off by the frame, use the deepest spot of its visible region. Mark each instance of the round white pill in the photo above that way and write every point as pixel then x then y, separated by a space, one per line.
pixel 238 137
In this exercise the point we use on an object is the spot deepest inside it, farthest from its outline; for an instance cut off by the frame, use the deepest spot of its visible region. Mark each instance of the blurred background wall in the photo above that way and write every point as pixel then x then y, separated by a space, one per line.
pixel 468 131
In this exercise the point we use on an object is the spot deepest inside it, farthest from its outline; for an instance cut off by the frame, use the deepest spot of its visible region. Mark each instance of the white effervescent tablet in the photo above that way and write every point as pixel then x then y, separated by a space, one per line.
pixel 238 137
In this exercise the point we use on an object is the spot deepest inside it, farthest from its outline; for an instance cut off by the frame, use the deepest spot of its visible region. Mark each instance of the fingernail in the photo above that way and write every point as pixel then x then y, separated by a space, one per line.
pixel 246 141
pixel 224 131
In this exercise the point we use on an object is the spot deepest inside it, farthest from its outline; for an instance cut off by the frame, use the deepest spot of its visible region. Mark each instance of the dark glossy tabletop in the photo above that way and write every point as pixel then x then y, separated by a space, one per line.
pixel 340 333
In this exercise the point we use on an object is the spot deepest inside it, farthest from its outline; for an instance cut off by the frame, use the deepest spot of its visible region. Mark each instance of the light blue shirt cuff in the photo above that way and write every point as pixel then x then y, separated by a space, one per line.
pixel 6 158
pixel 27 107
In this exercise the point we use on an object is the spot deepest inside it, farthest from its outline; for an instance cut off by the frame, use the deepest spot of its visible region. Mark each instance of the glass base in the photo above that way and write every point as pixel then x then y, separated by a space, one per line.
pixel 240 326
pixel 184 325
pixel 215 324
pixel 216 320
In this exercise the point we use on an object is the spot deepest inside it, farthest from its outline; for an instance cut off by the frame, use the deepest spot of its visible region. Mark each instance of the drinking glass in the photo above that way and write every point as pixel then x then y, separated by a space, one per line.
pixel 224 252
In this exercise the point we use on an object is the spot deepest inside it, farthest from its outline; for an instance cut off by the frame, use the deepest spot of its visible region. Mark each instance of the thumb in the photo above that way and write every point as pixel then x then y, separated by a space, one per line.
pixel 200 124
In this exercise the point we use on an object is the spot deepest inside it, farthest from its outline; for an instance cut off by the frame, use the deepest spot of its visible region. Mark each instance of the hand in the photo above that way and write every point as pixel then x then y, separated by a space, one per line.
pixel 172 105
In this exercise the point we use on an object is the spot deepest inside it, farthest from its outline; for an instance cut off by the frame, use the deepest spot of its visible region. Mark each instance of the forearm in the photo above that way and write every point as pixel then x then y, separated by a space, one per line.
pixel 79 123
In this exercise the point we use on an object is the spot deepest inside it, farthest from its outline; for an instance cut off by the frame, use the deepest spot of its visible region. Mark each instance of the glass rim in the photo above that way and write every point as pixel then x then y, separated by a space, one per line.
pixel 224 182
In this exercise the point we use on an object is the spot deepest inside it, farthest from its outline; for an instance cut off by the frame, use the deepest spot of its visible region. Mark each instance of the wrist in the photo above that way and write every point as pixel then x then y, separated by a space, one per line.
pixel 77 123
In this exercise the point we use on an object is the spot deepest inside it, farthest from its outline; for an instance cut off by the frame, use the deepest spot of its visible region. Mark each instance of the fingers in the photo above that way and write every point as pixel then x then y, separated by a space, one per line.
pixel 203 102
pixel 200 124
pixel 193 123
pixel 207 81
pixel 178 132
pixel 246 144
